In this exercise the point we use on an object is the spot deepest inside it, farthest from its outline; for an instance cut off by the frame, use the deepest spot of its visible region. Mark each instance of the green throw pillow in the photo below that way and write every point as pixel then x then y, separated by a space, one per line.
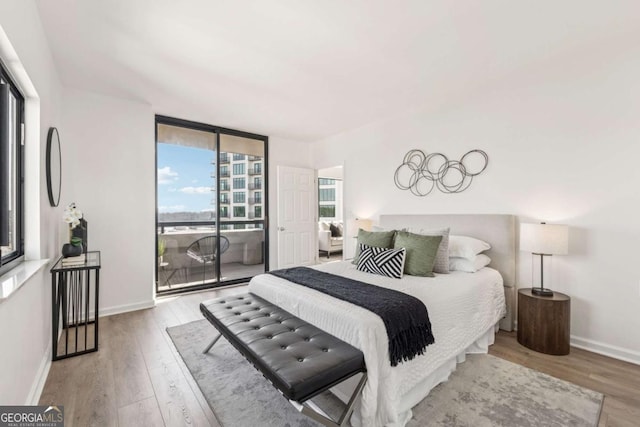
pixel 421 252
pixel 378 239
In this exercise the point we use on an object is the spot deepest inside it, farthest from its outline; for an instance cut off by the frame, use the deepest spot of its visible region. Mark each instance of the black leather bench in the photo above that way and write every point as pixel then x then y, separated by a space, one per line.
pixel 300 360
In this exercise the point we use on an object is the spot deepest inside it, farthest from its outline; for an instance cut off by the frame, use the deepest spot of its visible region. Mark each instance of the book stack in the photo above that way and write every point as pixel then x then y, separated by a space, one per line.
pixel 73 261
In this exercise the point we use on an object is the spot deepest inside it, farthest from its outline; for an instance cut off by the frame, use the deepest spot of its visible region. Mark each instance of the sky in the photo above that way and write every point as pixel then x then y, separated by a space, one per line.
pixel 184 179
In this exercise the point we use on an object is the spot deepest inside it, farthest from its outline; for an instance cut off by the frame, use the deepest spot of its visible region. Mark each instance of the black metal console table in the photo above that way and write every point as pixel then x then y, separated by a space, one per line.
pixel 75 291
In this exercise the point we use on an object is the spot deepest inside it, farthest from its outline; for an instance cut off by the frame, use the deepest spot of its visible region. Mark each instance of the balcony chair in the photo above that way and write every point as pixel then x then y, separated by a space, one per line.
pixel 204 251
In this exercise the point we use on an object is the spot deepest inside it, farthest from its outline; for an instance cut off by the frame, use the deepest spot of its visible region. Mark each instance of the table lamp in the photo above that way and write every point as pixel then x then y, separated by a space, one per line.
pixel 363 223
pixel 544 240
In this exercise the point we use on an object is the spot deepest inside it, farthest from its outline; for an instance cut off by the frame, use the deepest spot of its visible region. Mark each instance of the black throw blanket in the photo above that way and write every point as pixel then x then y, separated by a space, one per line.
pixel 404 316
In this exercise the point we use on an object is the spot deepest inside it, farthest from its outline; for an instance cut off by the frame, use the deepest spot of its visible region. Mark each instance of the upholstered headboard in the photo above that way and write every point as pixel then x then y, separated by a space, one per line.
pixel 498 230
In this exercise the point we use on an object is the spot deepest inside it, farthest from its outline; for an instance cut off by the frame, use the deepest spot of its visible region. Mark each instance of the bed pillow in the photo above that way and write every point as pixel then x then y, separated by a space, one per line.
pixel 385 262
pixel 441 264
pixel 382 239
pixel 421 252
pixel 466 247
pixel 467 265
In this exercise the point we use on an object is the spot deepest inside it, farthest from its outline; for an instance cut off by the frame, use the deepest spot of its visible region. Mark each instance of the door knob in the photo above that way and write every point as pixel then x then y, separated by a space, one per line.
pixel 281 228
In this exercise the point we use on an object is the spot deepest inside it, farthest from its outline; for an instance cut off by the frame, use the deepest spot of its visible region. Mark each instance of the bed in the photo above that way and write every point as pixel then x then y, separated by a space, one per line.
pixel 464 309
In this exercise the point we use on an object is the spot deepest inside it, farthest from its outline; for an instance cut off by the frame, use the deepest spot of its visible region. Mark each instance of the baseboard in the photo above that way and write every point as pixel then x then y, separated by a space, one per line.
pixel 109 311
pixel 41 378
pixel 606 349
pixel 601 348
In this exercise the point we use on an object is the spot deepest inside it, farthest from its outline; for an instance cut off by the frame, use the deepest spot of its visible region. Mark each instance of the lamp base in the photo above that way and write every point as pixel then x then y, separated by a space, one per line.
pixel 542 292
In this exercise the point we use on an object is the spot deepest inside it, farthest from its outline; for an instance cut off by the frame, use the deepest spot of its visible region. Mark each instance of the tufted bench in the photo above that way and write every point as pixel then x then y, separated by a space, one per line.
pixel 300 360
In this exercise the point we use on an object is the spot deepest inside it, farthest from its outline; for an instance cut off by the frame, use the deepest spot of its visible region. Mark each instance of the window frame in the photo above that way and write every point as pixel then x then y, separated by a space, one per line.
pixel 14 258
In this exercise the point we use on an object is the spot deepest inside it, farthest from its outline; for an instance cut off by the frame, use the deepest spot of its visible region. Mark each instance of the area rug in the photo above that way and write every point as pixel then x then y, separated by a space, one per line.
pixel 483 391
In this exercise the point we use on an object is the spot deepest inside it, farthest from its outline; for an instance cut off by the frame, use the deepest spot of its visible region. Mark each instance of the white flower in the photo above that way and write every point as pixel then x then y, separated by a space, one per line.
pixel 72 215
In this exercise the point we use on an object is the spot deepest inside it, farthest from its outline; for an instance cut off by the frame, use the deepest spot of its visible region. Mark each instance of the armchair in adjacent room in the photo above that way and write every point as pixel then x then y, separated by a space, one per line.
pixel 330 237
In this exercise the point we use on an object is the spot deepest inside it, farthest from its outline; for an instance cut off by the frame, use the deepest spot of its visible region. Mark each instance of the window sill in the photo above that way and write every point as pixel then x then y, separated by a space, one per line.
pixel 14 279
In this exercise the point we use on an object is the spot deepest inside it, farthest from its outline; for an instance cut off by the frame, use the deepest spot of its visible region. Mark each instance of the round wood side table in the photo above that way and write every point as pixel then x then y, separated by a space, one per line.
pixel 544 322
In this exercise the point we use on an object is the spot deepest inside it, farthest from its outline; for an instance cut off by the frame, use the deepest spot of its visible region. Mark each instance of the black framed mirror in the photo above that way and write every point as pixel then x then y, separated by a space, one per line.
pixel 54 166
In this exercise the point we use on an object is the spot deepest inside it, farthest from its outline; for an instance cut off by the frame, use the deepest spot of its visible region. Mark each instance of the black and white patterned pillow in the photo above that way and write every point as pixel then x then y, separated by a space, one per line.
pixel 382 261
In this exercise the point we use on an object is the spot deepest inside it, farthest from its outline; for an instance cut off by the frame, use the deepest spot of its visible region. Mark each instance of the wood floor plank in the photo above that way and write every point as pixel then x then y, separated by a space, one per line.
pixel 178 404
pixel 159 318
pixel 144 413
pixel 85 386
pixel 132 382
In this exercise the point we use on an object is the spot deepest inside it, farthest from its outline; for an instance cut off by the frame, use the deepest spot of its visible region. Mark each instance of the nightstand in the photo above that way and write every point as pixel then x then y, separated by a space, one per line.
pixel 544 322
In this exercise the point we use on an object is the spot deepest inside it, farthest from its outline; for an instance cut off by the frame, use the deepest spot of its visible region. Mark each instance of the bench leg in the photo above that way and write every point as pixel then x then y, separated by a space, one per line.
pixel 215 340
pixel 312 411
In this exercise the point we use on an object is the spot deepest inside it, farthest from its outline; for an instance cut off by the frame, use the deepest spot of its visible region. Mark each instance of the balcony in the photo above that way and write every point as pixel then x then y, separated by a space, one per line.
pixel 224 160
pixel 255 200
pixel 224 201
pixel 255 158
pixel 176 270
pixel 255 186
pixel 224 174
pixel 255 171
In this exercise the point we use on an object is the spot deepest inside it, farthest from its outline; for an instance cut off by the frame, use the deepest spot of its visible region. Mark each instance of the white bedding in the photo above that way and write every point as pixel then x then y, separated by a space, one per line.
pixel 462 308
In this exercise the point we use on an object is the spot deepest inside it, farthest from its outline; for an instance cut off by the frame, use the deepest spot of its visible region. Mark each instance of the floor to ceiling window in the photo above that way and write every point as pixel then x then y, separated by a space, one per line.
pixel 210 205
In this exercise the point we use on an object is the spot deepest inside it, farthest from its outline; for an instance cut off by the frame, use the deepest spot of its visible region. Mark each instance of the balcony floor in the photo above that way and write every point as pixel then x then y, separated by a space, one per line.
pixel 180 278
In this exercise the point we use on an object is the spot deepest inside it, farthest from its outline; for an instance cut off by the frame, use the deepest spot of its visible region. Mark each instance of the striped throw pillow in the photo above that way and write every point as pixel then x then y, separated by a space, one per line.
pixel 382 261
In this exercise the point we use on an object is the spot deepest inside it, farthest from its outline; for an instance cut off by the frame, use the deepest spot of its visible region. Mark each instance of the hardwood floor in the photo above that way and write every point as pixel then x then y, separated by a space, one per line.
pixel 137 377
pixel 618 381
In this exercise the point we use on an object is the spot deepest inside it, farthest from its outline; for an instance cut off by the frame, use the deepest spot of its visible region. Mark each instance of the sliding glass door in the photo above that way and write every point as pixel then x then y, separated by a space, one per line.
pixel 211 205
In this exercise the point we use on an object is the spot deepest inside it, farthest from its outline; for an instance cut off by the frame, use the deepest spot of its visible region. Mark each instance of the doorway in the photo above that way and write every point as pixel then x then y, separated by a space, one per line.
pixel 211 205
pixel 330 214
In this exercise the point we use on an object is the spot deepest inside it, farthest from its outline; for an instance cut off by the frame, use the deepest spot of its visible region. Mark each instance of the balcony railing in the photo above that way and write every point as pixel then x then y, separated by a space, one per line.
pixel 255 171
pixel 255 200
pixel 255 186
pixel 243 258
pixel 224 174
pixel 224 160
pixel 224 201
pixel 255 158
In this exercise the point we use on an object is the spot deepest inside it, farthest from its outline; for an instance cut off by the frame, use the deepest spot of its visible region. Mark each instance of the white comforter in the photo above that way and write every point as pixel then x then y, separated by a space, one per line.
pixel 461 306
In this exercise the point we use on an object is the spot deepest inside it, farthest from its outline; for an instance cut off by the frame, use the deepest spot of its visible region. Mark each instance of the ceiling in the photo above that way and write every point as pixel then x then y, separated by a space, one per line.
pixel 304 69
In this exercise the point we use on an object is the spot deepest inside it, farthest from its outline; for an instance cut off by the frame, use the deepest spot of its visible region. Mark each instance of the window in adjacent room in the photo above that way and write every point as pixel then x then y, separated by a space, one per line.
pixel 327 195
pixel 11 173
pixel 327 211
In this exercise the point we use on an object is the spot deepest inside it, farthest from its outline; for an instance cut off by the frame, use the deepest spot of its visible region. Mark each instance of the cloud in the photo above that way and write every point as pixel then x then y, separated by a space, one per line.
pixel 166 175
pixel 174 208
pixel 195 190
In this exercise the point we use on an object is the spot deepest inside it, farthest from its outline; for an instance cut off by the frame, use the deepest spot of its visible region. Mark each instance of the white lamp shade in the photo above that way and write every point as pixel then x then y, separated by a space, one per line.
pixel 363 223
pixel 548 239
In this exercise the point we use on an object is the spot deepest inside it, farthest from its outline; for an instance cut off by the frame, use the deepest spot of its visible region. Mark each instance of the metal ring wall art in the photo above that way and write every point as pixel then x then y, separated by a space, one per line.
pixel 420 172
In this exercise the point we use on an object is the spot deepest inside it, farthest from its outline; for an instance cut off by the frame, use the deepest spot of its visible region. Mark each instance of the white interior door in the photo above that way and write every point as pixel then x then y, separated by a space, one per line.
pixel 297 222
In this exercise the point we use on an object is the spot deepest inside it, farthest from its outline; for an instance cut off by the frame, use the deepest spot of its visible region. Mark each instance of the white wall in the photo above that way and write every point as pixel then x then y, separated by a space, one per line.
pixel 25 317
pixel 111 172
pixel 563 138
